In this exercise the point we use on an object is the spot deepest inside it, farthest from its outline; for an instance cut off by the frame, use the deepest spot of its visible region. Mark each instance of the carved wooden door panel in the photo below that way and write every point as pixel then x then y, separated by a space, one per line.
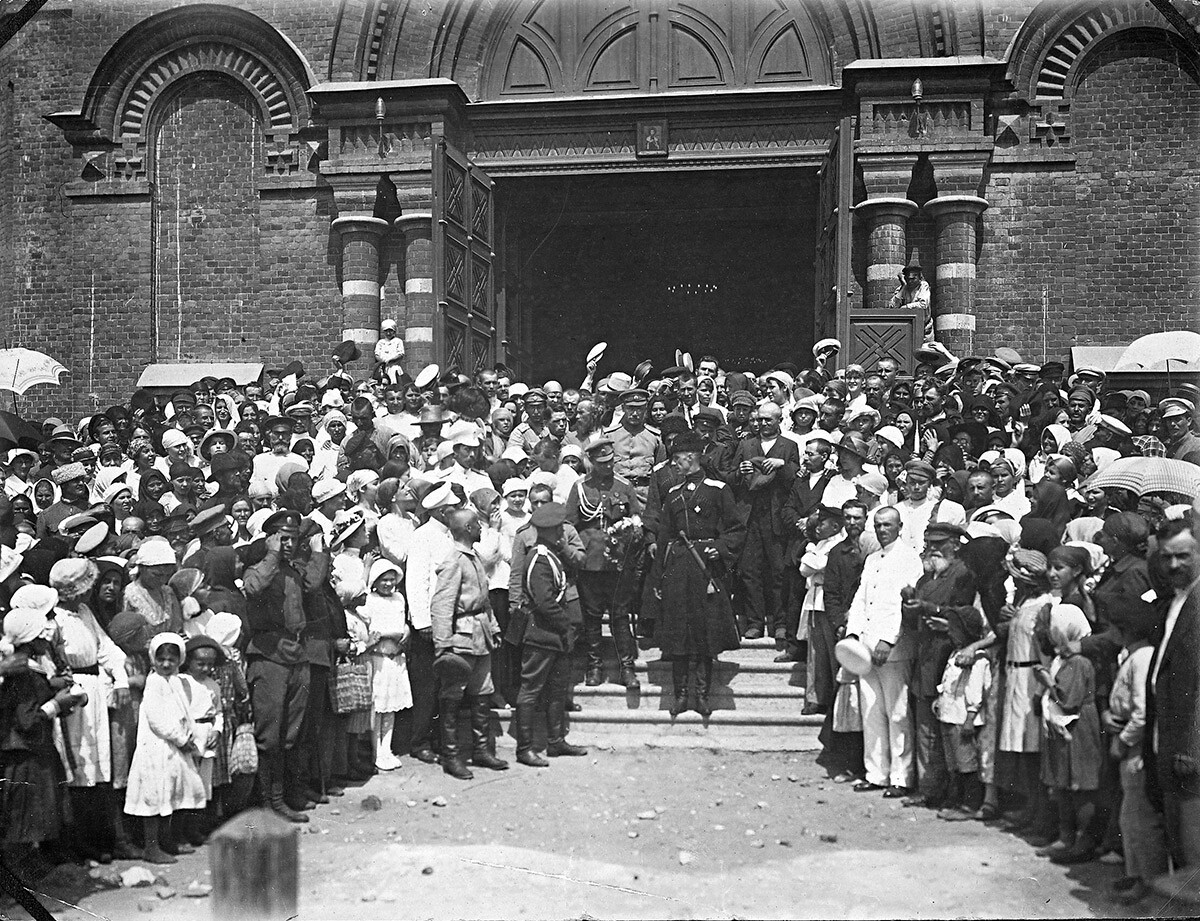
pixel 463 277
pixel 833 279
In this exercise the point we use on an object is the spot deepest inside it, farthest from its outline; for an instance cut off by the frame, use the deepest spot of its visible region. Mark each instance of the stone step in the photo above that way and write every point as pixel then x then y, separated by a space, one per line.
pixel 773 691
pixel 619 717
pixel 765 700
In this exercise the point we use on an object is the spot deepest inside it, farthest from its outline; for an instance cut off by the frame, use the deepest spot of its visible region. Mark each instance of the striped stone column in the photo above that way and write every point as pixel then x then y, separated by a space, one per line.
pixel 886 246
pixel 360 235
pixel 417 227
pixel 956 218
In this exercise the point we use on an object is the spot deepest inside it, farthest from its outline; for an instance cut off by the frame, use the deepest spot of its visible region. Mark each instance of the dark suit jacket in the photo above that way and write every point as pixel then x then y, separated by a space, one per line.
pixel 803 499
pixel 1174 706
pixel 757 499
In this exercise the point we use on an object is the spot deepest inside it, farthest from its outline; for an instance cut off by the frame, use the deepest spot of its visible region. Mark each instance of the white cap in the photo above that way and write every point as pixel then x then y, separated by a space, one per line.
pixel 514 484
pixel 324 490
pixel 440 495
pixel 514 454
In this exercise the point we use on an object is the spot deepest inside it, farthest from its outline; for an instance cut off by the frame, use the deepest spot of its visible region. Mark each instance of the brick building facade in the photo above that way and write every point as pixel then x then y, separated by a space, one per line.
pixel 254 181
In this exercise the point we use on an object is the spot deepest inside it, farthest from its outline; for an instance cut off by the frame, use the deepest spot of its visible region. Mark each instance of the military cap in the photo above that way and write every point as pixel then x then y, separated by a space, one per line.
pixel 938 531
pixel 599 448
pixel 708 414
pixel 635 395
pixel 284 518
pixel 830 513
pixel 1175 406
pixel 208 520
pixel 1113 424
pixel 550 515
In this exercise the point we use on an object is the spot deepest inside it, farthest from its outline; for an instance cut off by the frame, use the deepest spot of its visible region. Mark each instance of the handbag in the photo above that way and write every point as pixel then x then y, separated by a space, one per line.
pixel 243 752
pixel 352 689
pixel 847 717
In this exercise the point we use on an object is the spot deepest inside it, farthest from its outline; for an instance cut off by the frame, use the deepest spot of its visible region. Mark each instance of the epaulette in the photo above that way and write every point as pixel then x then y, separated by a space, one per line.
pixel 652 430
pixel 661 464
pixel 676 486
pixel 613 427
pixel 617 478
pixel 717 483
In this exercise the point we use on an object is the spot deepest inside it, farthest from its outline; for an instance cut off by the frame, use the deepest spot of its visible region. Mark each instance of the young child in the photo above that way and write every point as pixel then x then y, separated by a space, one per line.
pixel 164 776
pixel 1142 834
pixel 961 712
pixel 355 763
pixel 230 675
pixel 204 656
pixel 191 589
pixel 386 619
pixel 515 514
pixel 31 775
pixel 1071 756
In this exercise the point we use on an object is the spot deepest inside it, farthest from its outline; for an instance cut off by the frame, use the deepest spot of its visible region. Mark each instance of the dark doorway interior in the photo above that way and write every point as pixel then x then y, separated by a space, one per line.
pixel 714 262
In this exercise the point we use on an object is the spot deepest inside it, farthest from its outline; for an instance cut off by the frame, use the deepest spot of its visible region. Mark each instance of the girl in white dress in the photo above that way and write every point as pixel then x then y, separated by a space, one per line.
pixel 164 776
pixel 385 614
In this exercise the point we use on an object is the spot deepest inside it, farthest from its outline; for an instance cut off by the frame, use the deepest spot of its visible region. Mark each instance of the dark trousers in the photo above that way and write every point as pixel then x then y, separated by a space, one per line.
pixel 424 690
pixel 609 590
pixel 761 567
pixel 544 687
pixel 279 696
pixel 506 658
pixel 932 776
pixel 822 664
pixel 317 733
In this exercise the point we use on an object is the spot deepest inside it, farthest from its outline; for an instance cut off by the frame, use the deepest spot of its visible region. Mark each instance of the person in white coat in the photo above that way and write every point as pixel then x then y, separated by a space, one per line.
pixel 875 619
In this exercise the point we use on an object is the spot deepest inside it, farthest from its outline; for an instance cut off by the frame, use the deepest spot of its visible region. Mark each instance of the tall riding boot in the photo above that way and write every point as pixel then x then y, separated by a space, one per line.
pixel 556 717
pixel 704 668
pixel 270 772
pixel 593 632
pixel 679 678
pixel 525 754
pixel 452 761
pixel 481 736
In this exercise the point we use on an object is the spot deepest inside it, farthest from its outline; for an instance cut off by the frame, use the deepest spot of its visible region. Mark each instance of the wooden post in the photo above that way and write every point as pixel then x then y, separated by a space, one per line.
pixel 255 863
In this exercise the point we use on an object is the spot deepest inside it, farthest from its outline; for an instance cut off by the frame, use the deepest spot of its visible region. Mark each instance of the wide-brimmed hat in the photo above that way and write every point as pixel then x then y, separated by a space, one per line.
pixel 853 655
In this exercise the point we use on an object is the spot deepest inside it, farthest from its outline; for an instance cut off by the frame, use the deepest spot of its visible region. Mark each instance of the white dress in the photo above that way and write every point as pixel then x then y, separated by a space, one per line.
pixel 162 778
pixel 1020 725
pixel 386 618
pixel 209 722
pixel 83 737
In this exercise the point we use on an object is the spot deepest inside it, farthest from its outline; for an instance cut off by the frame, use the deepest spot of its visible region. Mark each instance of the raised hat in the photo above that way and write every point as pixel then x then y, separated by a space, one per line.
pixel 441 495
pixel 596 352
pixel 619 382
pixel 426 376
pixel 550 515
pixel 933 353
pixel 1010 357
pixel 853 655
pixel 642 371
pixel 826 345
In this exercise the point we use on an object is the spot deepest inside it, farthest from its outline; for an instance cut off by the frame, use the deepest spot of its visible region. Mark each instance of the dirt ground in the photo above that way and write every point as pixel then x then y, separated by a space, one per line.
pixel 642 834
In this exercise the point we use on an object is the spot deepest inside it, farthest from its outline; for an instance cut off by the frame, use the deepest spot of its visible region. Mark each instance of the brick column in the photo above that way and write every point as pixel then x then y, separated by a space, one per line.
pixel 886 246
pixel 955 219
pixel 417 227
pixel 361 236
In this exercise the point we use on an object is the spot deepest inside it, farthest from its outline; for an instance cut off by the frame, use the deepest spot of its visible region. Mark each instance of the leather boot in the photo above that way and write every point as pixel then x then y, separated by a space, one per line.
pixel 452 761
pixel 704 668
pixel 293 792
pixel 481 736
pixel 593 631
pixel 270 773
pixel 679 678
pixel 557 745
pixel 525 753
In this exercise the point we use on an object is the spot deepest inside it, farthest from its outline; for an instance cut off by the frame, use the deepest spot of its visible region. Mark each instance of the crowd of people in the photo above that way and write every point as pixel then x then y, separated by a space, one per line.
pixel 233 594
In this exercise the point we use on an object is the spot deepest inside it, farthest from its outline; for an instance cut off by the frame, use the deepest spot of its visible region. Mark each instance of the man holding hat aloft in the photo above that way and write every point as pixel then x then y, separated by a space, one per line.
pixel 699 540
pixel 939 612
pixel 636 446
pixel 607 579
pixel 544 626
pixel 465 632
pixel 277 668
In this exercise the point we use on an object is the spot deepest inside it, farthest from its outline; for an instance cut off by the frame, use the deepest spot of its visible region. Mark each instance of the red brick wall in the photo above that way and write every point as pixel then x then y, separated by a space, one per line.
pixel 1114 243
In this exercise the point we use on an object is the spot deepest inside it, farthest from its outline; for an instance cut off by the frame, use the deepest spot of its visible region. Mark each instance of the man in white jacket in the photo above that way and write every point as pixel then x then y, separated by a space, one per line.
pixel 874 618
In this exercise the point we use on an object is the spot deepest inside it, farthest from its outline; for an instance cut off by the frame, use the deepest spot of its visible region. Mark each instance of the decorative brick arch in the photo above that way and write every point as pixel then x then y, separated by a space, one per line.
pixel 150 62
pixel 1045 55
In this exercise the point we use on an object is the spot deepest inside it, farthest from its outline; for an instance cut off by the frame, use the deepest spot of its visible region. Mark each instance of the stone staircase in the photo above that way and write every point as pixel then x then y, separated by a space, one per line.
pixel 756 705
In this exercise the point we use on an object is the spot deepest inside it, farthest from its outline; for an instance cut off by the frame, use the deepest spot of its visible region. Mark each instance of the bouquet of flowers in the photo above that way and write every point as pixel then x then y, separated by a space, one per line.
pixel 618 537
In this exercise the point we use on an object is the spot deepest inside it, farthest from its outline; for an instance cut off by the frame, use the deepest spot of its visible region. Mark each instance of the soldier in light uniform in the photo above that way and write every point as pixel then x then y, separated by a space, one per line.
pixel 636 445
pixel 700 536
pixel 526 435
pixel 594 505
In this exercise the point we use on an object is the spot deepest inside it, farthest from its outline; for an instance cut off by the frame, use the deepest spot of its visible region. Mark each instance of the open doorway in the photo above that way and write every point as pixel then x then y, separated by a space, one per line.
pixel 716 262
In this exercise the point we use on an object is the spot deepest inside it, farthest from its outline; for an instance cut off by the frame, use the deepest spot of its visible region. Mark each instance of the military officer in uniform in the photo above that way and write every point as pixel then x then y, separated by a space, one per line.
pixel 699 538
pixel 605 580
pixel 637 446
pixel 662 478
pixel 526 435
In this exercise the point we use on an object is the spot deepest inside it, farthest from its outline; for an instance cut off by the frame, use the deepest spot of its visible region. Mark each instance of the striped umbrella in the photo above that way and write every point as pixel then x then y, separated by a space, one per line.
pixel 1145 475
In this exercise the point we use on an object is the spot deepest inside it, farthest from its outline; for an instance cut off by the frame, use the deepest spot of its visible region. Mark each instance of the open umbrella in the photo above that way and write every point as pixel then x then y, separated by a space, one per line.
pixel 21 369
pixel 1173 351
pixel 1144 475
pixel 16 431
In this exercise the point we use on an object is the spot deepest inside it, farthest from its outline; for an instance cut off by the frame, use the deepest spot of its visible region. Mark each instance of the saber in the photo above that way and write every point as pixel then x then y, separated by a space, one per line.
pixel 712 588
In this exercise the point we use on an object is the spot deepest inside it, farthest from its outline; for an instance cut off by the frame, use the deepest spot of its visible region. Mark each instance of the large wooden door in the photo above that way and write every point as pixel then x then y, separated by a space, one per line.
pixel 463 256
pixel 832 301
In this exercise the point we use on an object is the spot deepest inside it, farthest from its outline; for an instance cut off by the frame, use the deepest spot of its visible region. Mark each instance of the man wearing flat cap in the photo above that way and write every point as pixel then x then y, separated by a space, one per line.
pixel 608 575
pixel 942 599
pixel 637 447
pixel 277 668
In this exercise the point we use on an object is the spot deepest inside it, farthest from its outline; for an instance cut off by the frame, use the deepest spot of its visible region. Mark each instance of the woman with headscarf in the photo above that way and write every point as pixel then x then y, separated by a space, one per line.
pixel 1049 502
pixel 362 486
pixel 32 809
pixel 225 413
pixel 45 494
pixel 84 737
pixel 152 487
pixel 1071 753
pixel 328 458
pixel 904 418
pixel 1008 471
pixel 148 593
pixel 1019 742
